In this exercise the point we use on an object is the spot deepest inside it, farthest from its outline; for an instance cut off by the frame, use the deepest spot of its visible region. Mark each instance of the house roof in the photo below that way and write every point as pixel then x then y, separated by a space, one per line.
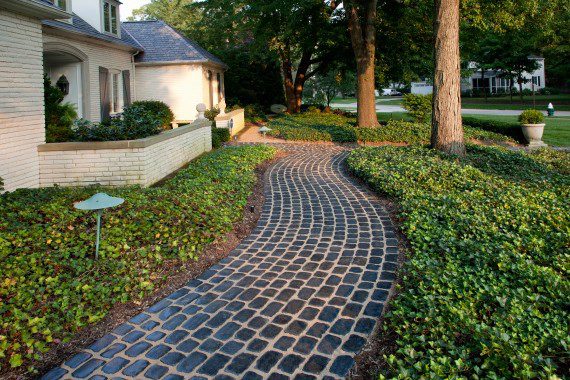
pixel 163 43
pixel 81 27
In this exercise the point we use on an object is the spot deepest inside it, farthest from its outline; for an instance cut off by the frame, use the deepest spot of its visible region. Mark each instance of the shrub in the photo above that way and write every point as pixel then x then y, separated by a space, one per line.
pixel 59 116
pixel 212 113
pixel 220 136
pixel 512 130
pixel 154 108
pixel 485 291
pixel 1 184
pixel 117 129
pixel 418 106
pixel 50 284
pixel 339 128
pixel 254 113
pixel 531 117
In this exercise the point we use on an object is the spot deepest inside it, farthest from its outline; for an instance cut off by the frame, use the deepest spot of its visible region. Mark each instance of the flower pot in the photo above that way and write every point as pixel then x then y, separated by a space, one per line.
pixel 533 134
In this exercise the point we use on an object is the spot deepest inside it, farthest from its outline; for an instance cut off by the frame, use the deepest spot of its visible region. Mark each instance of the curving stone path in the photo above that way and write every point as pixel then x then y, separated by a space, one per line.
pixel 296 299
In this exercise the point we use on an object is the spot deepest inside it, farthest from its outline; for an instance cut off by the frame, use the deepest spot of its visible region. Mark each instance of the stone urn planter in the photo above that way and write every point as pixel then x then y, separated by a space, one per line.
pixel 532 124
pixel 533 134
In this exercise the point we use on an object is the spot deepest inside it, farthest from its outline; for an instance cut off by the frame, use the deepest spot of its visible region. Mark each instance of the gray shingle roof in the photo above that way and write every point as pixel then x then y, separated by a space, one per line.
pixel 82 27
pixel 162 43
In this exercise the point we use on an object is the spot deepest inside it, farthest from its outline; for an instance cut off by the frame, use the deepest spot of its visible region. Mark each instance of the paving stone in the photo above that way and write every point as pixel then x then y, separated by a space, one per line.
pixel 155 371
pixel 190 362
pixel 87 368
pixel 214 364
pixel 55 374
pixel 115 365
pixel 136 368
pixel 311 279
pixel 268 360
pixel 316 364
pixel 240 363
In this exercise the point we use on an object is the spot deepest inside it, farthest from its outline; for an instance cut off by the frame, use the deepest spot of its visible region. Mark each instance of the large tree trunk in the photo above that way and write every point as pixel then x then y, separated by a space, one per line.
pixel 447 131
pixel 294 88
pixel 361 25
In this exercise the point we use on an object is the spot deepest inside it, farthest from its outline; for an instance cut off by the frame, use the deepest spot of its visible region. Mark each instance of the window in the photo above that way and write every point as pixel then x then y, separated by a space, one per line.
pixel 60 4
pixel 536 81
pixel 110 18
pixel 115 87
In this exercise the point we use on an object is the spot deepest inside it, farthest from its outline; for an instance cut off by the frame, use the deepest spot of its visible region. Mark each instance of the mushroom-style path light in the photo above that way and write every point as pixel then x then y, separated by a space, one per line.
pixel 98 203
pixel 263 130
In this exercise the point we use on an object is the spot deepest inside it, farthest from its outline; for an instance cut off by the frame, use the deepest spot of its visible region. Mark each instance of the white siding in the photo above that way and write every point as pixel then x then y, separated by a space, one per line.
pixel 98 55
pixel 179 86
pixel 21 100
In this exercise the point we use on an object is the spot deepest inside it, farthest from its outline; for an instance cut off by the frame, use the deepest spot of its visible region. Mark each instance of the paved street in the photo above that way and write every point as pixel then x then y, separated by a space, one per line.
pixel 298 298
pixel 384 108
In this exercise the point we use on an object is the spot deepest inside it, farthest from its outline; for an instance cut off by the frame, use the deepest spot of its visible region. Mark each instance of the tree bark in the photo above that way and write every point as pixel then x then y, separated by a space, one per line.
pixel 287 71
pixel 447 131
pixel 362 29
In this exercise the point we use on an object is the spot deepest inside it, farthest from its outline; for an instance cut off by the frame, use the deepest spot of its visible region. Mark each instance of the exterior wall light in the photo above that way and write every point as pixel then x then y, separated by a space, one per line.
pixel 63 84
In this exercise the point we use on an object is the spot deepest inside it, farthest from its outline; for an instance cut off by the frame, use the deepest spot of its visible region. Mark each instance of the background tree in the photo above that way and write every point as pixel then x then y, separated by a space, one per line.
pixel 322 89
pixel 447 131
pixel 361 16
pixel 176 13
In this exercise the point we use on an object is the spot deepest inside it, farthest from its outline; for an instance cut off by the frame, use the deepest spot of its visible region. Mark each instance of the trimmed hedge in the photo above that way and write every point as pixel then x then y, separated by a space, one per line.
pixel 512 130
pixel 159 110
pixel 485 292
pixel 50 284
pixel 220 136
pixel 313 126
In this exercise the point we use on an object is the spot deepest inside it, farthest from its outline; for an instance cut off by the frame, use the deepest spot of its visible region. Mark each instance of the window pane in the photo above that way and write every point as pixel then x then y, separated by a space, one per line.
pixel 106 17
pixel 113 19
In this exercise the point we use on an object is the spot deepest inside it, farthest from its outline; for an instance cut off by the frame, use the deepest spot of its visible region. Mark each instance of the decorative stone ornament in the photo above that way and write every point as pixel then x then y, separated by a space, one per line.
pixel 222 107
pixel 278 108
pixel 201 108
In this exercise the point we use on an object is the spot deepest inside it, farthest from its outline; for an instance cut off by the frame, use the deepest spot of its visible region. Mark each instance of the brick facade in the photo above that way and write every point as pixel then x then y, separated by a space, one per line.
pixel 118 163
pixel 21 100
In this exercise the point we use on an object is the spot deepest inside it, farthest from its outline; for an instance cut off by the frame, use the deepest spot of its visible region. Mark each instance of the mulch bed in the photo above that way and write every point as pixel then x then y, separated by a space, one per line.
pixel 179 274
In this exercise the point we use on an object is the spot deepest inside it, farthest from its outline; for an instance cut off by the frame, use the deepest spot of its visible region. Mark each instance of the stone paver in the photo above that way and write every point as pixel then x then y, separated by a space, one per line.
pixel 296 299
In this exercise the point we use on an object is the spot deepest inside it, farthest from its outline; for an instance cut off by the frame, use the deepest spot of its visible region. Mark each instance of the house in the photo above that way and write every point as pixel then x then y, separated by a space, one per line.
pixel 101 64
pixel 492 81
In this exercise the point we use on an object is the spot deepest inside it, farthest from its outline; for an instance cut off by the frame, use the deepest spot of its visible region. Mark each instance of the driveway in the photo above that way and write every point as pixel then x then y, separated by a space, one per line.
pixel 382 108
pixel 298 297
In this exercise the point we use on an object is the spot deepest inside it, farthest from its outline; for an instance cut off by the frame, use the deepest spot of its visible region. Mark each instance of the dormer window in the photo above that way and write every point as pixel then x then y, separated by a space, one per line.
pixel 110 17
pixel 63 4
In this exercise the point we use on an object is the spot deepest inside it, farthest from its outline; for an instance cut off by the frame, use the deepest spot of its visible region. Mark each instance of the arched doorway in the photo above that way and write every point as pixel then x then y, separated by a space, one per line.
pixel 66 63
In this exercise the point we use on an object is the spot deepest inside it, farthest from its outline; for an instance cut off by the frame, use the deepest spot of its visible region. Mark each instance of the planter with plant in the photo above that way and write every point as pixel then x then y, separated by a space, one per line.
pixel 532 124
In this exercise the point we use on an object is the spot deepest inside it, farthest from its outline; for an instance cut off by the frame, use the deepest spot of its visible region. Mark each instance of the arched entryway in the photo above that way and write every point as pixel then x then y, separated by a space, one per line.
pixel 65 63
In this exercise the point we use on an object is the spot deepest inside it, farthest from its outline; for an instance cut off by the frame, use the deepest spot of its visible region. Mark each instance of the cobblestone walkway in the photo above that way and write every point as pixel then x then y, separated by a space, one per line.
pixel 296 299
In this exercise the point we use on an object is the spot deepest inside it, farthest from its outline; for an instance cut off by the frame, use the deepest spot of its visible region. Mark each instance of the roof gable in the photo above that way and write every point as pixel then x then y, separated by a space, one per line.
pixel 162 43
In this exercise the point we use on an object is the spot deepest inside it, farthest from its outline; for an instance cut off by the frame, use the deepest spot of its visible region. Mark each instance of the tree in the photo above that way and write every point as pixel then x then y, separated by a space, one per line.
pixel 176 13
pixel 447 131
pixel 361 15
pixel 322 89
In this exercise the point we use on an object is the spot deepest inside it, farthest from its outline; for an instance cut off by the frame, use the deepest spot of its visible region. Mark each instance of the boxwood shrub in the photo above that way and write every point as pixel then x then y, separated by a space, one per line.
pixel 313 126
pixel 513 130
pixel 485 292
pixel 50 284
pixel 220 136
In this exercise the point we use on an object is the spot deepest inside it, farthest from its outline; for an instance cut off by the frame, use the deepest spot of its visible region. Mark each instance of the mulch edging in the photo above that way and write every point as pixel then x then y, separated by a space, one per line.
pixel 178 276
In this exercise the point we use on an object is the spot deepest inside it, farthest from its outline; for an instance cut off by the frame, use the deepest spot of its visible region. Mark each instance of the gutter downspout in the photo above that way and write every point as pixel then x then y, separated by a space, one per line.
pixel 134 84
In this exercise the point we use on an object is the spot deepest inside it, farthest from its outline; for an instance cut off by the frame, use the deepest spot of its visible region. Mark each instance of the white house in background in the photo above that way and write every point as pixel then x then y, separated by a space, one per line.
pixel 492 81
pixel 102 64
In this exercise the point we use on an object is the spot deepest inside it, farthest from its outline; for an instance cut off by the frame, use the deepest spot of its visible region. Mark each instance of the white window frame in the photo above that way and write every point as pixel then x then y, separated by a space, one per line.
pixel 115 94
pixel 109 19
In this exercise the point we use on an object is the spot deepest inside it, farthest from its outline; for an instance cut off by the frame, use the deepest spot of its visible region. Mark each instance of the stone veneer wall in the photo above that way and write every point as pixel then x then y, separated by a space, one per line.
pixel 118 163
pixel 238 116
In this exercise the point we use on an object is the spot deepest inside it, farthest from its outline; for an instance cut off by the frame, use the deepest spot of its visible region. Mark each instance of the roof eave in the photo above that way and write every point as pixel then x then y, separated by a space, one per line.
pixel 87 37
pixel 35 9
pixel 171 63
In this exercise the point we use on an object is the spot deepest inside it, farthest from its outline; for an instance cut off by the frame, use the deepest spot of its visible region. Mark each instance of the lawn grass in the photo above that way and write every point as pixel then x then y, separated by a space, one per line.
pixel 50 283
pixel 560 102
pixel 556 131
pixel 485 292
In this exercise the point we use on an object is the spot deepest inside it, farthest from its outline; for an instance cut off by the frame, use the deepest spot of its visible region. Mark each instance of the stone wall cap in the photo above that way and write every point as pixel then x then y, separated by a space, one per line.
pixel 125 144
pixel 229 115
